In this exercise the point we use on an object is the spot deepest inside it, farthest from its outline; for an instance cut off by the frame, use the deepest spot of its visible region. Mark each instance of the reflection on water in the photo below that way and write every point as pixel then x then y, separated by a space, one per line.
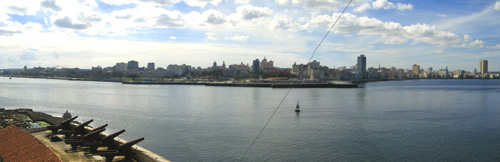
pixel 417 120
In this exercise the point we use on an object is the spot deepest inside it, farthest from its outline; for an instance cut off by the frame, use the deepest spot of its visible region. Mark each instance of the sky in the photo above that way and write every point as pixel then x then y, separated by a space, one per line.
pixel 87 33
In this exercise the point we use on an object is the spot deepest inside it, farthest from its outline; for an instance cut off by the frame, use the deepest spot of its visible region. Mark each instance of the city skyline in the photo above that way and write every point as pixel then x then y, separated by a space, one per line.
pixel 83 34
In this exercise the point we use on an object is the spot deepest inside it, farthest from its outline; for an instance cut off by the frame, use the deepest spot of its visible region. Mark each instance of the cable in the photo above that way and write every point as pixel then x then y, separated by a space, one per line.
pixel 291 88
pixel 266 124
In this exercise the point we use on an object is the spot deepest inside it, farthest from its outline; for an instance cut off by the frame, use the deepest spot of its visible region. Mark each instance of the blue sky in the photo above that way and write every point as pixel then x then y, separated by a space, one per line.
pixel 86 33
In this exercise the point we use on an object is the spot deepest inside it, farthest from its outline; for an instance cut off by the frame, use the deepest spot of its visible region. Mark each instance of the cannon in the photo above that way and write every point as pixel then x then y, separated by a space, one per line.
pixel 65 125
pixel 122 150
pixel 87 132
pixel 107 141
pixel 80 129
pixel 92 136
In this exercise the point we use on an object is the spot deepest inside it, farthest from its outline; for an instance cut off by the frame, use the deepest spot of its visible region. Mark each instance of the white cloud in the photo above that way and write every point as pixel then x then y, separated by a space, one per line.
pixel 394 40
pixel 328 5
pixel 66 22
pixel 173 37
pixel 283 23
pixel 202 3
pixel 469 43
pixel 249 12
pixel 384 4
pixel 120 2
pixel 141 2
pixel 211 36
pixel 162 2
pixel 497 6
pixel 242 1
pixel 27 7
pixel 496 46
pixel 363 7
pixel 51 4
pixel 441 15
pixel 378 4
pixel 74 15
pixel 9 28
pixel 402 7
pixel 170 19
pixel 395 33
pixel 213 17
pixel 240 38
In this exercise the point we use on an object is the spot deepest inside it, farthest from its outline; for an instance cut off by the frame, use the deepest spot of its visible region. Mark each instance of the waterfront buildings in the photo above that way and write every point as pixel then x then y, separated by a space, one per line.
pixel 314 70
pixel 300 70
pixel 416 70
pixel 121 67
pixel 215 67
pixel 361 67
pixel 151 66
pixel 96 70
pixel 256 66
pixel 483 67
pixel 132 65
pixel 310 71
pixel 265 65
pixel 443 73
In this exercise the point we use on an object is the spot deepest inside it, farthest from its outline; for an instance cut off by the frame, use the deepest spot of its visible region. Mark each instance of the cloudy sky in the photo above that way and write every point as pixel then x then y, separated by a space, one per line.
pixel 86 33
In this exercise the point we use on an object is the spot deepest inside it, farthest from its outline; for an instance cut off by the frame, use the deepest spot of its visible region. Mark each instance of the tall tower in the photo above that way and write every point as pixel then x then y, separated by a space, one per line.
pixel 483 66
pixel 256 66
pixel 361 66
pixel 416 70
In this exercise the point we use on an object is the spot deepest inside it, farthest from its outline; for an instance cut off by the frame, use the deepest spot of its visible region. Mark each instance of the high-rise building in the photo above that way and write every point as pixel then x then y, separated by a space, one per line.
pixel 132 65
pixel 265 65
pixel 483 66
pixel 416 70
pixel 121 67
pixel 256 66
pixel 361 66
pixel 151 66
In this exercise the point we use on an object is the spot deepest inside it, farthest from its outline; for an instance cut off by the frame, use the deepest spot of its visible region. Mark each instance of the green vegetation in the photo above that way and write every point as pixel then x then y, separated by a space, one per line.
pixel 42 123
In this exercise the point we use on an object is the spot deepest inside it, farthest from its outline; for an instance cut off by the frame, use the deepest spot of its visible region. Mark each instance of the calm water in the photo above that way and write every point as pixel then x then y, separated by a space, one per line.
pixel 418 120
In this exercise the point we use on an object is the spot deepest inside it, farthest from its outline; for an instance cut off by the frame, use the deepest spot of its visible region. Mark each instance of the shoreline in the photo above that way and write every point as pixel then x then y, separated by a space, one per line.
pixel 258 84
pixel 281 84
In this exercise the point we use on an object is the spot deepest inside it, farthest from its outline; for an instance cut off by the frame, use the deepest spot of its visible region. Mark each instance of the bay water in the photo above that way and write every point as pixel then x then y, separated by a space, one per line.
pixel 413 120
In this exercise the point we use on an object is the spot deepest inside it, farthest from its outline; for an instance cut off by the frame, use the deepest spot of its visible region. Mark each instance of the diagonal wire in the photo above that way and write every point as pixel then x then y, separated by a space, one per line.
pixel 290 89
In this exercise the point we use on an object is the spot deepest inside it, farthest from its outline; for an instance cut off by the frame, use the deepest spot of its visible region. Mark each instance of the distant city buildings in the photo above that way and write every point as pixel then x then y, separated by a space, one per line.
pixel 121 67
pixel 264 65
pixel 151 66
pixel 361 66
pixel 312 71
pixel 483 67
pixel 416 70
pixel 132 65
pixel 96 70
pixel 256 66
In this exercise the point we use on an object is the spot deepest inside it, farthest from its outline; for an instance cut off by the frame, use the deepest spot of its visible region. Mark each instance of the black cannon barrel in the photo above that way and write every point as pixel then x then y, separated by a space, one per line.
pixel 67 121
pixel 93 136
pixel 84 124
pixel 80 129
pixel 130 143
pixel 111 136
pixel 101 127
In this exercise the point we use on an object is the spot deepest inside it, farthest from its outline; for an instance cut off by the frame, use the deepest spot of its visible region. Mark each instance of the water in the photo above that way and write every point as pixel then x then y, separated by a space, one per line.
pixel 417 120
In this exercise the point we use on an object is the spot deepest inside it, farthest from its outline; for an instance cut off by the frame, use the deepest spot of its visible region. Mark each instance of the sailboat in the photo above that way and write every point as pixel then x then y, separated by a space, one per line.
pixel 297 108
